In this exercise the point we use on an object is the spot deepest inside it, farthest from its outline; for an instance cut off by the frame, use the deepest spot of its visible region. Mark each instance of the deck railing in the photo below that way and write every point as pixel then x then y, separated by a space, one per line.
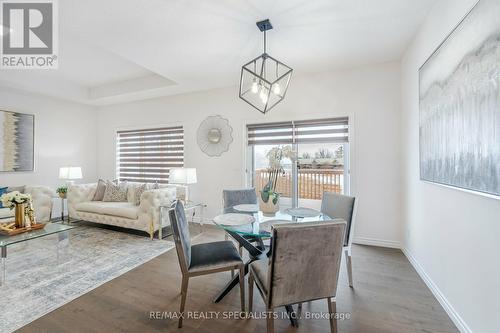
pixel 312 182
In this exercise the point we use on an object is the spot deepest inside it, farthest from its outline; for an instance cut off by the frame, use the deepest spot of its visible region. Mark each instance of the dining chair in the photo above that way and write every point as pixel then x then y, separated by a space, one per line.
pixel 344 207
pixel 231 198
pixel 304 266
pixel 202 259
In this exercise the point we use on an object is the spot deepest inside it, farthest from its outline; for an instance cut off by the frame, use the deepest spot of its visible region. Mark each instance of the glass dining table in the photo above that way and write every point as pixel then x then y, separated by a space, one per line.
pixel 251 231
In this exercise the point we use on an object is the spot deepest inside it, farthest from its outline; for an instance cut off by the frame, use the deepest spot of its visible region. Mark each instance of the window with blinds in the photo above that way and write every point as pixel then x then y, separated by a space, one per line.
pixel 146 155
pixel 333 130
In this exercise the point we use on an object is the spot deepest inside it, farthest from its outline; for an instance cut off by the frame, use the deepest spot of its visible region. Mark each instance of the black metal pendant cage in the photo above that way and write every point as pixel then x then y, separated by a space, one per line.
pixel 264 80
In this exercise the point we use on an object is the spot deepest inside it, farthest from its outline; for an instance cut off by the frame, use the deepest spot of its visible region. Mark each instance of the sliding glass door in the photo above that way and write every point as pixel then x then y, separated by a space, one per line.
pixel 322 159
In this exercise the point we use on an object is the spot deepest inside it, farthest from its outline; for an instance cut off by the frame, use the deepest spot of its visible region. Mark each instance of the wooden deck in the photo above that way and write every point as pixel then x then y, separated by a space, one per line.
pixel 312 182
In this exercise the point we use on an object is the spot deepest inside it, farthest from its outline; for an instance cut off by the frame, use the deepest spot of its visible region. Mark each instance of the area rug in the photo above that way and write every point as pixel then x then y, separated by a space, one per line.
pixel 37 282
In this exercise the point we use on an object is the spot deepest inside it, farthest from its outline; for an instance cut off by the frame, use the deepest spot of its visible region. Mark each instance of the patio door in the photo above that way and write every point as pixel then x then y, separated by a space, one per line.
pixel 321 163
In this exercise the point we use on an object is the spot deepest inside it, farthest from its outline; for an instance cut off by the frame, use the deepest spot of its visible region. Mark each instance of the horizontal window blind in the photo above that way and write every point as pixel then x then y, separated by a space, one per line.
pixel 308 131
pixel 147 155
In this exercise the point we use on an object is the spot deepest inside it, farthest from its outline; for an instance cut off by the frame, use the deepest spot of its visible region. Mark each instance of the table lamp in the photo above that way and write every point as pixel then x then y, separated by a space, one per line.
pixel 70 174
pixel 183 176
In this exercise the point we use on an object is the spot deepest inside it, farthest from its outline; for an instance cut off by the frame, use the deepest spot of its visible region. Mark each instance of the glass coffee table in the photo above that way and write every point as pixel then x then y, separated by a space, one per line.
pixel 50 229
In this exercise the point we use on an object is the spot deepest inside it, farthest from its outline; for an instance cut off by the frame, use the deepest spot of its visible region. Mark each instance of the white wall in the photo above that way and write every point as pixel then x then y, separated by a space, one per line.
pixel 65 134
pixel 451 236
pixel 370 95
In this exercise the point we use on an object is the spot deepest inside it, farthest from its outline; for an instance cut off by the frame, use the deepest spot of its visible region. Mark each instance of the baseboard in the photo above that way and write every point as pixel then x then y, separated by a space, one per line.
pixel 376 242
pixel 452 313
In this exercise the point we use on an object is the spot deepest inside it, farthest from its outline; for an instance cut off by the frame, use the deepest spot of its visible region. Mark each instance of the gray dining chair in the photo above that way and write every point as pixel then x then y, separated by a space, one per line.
pixel 343 207
pixel 232 198
pixel 304 266
pixel 202 259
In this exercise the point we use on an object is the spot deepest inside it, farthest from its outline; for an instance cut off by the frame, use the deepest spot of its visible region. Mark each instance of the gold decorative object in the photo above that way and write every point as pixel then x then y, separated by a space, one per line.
pixel 20 215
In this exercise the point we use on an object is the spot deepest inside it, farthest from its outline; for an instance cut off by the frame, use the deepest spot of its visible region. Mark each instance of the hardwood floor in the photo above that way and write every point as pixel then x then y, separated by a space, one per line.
pixel 388 296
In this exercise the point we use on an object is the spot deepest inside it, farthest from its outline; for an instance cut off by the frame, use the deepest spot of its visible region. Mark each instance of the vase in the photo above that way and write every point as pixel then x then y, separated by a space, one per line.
pixel 269 207
pixel 20 217
pixel 62 195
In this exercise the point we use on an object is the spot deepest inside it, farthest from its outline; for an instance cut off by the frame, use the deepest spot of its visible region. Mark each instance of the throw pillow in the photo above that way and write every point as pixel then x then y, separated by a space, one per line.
pixel 138 192
pixel 2 191
pixel 115 193
pixel 99 192
pixel 16 188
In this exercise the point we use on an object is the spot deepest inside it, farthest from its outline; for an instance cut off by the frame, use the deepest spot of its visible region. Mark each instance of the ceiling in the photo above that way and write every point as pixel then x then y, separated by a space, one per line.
pixel 114 51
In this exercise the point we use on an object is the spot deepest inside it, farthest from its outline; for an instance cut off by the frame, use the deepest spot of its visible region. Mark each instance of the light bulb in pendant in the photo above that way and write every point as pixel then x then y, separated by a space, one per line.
pixel 276 89
pixel 263 95
pixel 255 87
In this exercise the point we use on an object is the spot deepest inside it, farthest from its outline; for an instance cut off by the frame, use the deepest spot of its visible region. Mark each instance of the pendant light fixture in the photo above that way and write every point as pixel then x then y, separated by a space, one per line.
pixel 264 80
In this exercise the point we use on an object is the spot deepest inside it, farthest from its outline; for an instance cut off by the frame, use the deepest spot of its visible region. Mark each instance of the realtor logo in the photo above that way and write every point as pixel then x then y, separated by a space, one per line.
pixel 29 38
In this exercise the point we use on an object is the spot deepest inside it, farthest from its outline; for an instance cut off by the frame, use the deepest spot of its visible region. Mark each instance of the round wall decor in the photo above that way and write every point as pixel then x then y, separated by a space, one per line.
pixel 214 135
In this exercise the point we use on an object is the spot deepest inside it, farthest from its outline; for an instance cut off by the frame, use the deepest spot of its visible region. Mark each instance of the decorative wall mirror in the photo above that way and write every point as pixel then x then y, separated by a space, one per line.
pixel 214 135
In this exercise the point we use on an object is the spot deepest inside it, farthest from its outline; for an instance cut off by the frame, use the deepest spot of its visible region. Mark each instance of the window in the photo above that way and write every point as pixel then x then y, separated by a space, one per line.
pixel 146 155
pixel 321 147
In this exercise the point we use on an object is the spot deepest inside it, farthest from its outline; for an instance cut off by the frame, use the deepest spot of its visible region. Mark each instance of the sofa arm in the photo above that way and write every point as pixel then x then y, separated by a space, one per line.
pixel 42 201
pixel 79 193
pixel 151 201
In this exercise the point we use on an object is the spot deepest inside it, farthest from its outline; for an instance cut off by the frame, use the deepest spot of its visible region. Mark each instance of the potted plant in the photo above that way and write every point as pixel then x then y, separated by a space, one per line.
pixel 62 191
pixel 21 203
pixel 269 197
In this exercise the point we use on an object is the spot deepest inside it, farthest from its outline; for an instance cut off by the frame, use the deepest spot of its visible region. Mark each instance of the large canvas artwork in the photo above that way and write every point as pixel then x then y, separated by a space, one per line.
pixel 460 105
pixel 16 141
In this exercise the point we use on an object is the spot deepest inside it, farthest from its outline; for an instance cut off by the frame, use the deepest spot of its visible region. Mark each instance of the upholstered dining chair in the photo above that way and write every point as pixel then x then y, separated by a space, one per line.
pixel 338 206
pixel 202 259
pixel 304 266
pixel 232 198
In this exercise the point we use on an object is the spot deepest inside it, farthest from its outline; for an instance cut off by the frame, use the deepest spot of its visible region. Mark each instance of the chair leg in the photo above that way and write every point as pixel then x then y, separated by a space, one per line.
pixel 184 288
pixel 242 287
pixel 250 292
pixel 270 320
pixel 348 262
pixel 332 309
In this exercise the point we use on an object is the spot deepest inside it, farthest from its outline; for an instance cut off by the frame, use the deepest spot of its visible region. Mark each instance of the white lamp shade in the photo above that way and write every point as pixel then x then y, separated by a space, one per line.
pixel 182 176
pixel 70 173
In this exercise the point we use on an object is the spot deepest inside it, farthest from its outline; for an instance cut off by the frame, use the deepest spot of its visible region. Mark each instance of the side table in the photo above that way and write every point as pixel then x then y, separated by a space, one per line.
pixel 189 206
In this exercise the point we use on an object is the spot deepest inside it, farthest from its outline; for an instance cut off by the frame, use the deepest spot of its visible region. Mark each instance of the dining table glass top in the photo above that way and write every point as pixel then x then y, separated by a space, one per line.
pixel 260 225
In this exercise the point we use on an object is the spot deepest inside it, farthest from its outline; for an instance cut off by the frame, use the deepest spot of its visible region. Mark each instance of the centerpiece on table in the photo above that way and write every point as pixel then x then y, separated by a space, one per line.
pixel 269 197
pixel 23 208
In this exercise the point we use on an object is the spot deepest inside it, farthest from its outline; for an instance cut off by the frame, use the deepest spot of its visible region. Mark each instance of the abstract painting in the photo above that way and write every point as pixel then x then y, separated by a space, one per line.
pixel 460 105
pixel 16 141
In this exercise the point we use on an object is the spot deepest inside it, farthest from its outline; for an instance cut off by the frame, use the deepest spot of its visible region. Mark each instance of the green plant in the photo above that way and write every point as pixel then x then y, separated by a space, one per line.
pixel 62 189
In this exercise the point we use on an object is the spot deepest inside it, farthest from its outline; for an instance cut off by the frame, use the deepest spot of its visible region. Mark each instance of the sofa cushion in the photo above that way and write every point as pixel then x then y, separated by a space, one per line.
pixel 6 213
pixel 3 190
pixel 20 189
pixel 122 209
pixel 99 192
pixel 115 193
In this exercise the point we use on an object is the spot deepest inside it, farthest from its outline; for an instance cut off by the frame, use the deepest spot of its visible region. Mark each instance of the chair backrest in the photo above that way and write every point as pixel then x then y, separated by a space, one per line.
pixel 232 198
pixel 180 231
pixel 339 206
pixel 305 261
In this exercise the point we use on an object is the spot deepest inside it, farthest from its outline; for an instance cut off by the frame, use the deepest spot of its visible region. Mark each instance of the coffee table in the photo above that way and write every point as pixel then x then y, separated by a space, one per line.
pixel 50 229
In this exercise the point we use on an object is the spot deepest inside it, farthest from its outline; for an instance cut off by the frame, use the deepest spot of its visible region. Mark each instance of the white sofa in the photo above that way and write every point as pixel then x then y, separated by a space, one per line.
pixel 42 203
pixel 144 217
